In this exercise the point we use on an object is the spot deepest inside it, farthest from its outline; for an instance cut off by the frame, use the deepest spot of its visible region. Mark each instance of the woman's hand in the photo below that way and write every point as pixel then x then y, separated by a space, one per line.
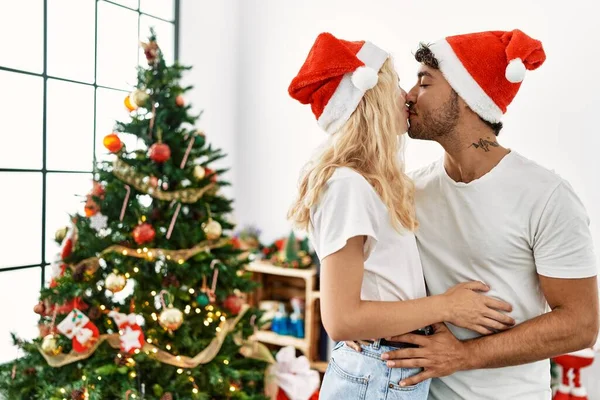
pixel 468 308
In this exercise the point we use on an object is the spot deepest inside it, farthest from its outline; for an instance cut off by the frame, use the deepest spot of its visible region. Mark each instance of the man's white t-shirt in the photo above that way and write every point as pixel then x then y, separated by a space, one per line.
pixel 349 207
pixel 517 221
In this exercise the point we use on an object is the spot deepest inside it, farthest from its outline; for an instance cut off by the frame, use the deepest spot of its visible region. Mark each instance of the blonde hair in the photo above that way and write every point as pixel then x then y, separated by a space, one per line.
pixel 369 143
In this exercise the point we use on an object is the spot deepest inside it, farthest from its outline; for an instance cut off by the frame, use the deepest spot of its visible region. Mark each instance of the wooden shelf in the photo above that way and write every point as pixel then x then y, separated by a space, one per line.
pixel 320 366
pixel 268 268
pixel 282 340
pixel 289 286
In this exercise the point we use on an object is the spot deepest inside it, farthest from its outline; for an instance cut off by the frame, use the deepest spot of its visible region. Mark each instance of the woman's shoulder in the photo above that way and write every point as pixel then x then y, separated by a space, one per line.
pixel 351 185
pixel 348 176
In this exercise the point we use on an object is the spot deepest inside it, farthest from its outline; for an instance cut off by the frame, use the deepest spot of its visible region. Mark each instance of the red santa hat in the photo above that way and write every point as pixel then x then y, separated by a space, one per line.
pixel 486 68
pixel 335 77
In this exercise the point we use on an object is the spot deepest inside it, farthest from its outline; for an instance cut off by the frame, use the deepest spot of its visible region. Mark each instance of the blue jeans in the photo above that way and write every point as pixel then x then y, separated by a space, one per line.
pixel 358 376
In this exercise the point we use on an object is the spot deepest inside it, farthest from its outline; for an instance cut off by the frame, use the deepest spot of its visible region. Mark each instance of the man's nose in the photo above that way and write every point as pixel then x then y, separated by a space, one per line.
pixel 411 97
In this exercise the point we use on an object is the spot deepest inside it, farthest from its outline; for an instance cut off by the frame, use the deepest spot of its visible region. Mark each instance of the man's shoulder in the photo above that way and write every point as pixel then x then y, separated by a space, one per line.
pixel 534 175
pixel 425 173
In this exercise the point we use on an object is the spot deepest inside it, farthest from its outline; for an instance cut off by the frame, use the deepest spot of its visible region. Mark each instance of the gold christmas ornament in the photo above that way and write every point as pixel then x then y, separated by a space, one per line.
pixel 115 282
pixel 212 229
pixel 199 172
pixel 60 234
pixel 171 318
pixel 139 97
pixel 50 345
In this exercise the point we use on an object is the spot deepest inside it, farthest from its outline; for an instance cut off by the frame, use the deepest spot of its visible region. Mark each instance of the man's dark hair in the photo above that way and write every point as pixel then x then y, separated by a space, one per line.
pixel 424 55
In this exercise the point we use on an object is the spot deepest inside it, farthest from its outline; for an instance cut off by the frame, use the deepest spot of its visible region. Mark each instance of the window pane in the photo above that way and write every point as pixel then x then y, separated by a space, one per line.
pixel 65 195
pixel 128 3
pixel 117 46
pixel 165 35
pixel 71 39
pixel 109 110
pixel 22 33
pixel 19 292
pixel 21 219
pixel 70 124
pixel 164 9
pixel 22 100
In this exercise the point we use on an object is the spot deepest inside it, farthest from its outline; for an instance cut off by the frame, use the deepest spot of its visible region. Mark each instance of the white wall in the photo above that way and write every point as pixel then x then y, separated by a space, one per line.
pixel 242 83
pixel 209 37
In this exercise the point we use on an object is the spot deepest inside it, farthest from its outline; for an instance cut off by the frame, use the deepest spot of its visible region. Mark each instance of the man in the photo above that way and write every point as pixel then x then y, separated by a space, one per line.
pixel 487 213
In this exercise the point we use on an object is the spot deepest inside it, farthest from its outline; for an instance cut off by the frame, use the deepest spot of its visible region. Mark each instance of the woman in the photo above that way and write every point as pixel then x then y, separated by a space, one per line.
pixel 357 204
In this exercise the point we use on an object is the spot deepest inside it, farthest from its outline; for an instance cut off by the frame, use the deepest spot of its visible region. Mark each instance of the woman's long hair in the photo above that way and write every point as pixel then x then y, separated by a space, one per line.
pixel 369 143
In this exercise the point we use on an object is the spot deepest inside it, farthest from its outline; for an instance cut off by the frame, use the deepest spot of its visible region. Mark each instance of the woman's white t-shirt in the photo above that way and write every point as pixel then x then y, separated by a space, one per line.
pixel 349 207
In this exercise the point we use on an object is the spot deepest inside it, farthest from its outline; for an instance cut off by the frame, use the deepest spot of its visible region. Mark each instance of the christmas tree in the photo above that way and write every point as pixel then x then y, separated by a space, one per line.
pixel 147 298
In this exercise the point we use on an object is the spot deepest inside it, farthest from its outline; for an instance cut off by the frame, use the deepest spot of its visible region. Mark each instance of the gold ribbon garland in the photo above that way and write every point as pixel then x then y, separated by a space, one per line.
pixel 248 349
pixel 127 174
pixel 91 264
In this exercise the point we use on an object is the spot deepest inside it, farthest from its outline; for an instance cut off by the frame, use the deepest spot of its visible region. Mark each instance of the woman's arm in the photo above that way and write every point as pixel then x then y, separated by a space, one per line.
pixel 347 317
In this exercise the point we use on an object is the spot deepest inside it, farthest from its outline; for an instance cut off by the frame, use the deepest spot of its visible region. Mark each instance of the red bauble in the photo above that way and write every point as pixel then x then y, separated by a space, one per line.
pixel 98 190
pixel 40 308
pixel 144 233
pixel 233 303
pixel 211 173
pixel 180 101
pixel 160 152
pixel 112 143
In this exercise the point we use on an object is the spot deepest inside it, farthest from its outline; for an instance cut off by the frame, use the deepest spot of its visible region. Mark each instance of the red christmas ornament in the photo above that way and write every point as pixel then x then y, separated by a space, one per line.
pixel 112 143
pixel 160 152
pixel 143 233
pixel 98 190
pixel 180 101
pixel 211 173
pixel 40 308
pixel 153 181
pixel 233 303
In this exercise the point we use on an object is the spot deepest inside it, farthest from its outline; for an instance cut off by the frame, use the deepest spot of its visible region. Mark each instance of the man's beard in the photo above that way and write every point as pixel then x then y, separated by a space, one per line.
pixel 438 123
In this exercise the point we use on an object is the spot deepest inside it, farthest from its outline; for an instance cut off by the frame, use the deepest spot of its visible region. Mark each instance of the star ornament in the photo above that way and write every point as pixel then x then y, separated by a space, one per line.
pixel 131 339
pixel 98 222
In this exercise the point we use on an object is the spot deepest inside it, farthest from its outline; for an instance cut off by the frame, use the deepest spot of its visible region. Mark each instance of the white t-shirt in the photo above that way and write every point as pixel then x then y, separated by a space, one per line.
pixel 349 207
pixel 517 221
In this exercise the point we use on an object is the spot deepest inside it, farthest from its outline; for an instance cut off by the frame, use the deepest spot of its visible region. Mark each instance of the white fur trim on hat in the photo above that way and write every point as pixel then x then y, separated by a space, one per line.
pixel 348 95
pixel 365 78
pixel 515 71
pixel 463 83
pixel 564 389
pixel 579 392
